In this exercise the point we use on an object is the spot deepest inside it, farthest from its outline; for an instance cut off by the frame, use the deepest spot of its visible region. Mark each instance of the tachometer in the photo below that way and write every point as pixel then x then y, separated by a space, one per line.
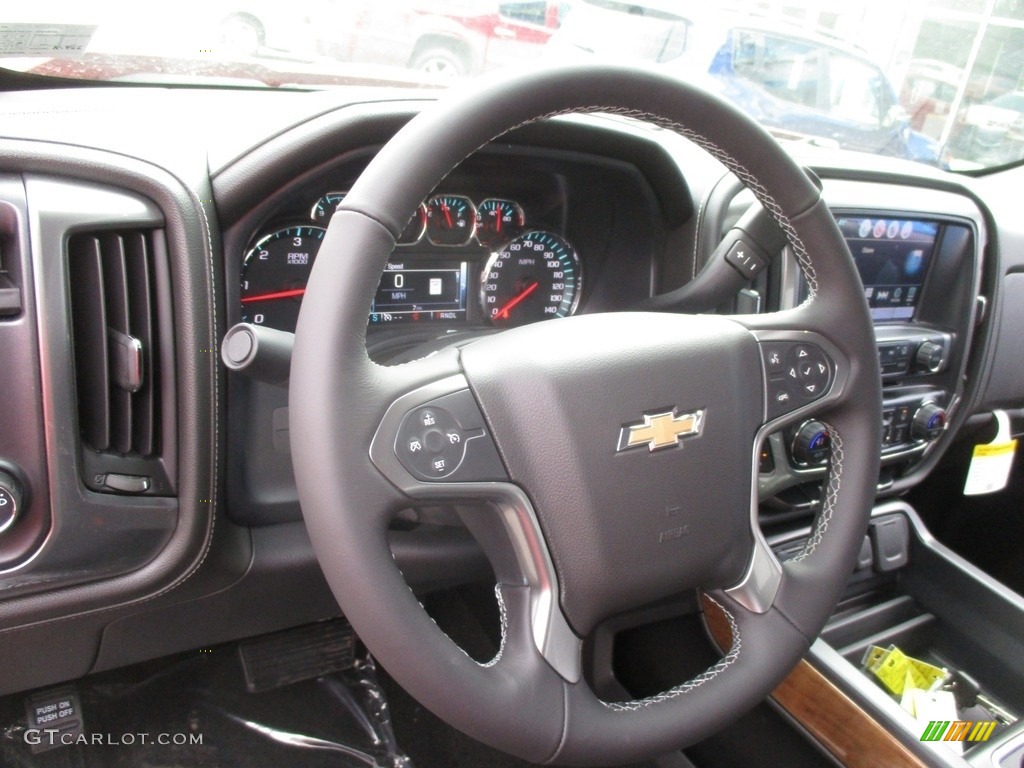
pixel 274 275
pixel 535 277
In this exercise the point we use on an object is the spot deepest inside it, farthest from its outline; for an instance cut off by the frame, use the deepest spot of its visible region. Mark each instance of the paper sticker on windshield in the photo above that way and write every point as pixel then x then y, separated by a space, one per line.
pixel 51 40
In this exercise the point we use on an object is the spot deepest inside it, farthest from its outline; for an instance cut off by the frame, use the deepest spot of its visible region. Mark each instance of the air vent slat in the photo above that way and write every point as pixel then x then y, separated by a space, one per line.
pixel 140 320
pixel 116 341
pixel 115 283
pixel 90 333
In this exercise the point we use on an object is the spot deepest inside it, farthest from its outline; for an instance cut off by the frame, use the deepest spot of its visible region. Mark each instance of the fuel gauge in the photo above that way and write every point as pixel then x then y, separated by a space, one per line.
pixel 499 221
pixel 451 220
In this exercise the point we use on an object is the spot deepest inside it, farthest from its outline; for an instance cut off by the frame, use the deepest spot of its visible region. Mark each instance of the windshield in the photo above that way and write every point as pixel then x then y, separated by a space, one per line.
pixel 938 83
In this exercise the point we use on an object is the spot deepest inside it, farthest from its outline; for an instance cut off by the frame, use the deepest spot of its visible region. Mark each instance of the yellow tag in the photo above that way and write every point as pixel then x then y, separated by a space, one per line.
pixel 925 674
pixel 873 656
pixel 995 449
pixel 991 463
pixel 893 670
pixel 899 672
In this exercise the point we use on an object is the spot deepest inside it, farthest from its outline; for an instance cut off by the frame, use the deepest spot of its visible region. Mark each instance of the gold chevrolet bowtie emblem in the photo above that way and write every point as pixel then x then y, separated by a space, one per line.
pixel 661 430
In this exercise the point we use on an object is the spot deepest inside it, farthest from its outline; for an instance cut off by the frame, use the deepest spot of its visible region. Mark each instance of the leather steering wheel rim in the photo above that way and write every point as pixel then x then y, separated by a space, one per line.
pixel 531 700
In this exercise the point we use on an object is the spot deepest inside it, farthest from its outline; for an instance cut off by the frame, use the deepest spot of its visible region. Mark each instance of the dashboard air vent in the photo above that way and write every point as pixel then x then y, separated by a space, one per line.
pixel 116 334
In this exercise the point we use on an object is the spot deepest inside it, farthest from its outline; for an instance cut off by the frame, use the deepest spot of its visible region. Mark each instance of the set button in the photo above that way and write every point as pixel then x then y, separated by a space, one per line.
pixel 433 442
pixel 447 439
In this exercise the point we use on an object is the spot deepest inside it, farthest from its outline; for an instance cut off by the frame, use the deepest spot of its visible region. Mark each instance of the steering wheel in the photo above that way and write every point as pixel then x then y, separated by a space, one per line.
pixel 614 456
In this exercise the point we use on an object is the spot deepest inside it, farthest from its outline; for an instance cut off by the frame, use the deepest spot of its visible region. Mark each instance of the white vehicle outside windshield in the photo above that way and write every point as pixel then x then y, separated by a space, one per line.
pixel 940 83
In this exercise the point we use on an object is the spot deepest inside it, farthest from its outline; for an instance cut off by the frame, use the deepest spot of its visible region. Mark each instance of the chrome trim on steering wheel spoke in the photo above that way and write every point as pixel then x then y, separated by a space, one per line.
pixel 757 589
pixel 552 635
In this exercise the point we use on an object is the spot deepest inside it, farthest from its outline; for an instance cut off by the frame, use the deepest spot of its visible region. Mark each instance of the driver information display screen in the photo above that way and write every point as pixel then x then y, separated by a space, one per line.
pixel 415 290
pixel 892 256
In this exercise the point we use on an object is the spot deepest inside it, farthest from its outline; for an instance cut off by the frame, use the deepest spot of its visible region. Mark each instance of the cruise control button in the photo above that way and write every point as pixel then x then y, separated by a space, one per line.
pixel 447 439
pixel 434 440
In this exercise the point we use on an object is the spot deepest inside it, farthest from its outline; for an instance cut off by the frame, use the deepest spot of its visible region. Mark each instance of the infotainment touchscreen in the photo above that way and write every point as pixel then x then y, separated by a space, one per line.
pixel 892 256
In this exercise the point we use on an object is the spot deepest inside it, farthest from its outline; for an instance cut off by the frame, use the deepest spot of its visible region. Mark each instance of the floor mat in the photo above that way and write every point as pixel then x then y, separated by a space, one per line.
pixel 195 711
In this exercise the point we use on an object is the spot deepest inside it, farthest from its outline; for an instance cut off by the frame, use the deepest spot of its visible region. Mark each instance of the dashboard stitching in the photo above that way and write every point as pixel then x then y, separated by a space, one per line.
pixel 704 677
pixel 216 392
pixel 208 543
pixel 831 494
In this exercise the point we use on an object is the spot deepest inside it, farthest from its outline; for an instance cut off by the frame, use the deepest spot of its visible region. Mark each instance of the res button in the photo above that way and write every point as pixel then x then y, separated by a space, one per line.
pixel 447 439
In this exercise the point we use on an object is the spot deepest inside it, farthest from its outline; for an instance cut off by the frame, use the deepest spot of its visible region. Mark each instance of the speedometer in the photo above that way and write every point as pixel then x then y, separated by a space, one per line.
pixel 535 277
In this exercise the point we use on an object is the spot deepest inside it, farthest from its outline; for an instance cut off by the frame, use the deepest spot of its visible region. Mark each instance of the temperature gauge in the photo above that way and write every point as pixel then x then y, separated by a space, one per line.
pixel 499 221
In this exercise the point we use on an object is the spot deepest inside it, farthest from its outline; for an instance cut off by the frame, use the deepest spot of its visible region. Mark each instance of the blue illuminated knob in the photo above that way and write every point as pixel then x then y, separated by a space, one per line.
pixel 928 423
pixel 811 444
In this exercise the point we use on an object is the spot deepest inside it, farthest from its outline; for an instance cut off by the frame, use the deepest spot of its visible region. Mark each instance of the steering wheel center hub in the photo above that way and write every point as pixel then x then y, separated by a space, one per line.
pixel 631 434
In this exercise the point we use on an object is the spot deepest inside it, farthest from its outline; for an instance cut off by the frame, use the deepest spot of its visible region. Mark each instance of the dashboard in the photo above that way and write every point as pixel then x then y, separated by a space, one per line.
pixel 456 262
pixel 134 541
pixel 514 235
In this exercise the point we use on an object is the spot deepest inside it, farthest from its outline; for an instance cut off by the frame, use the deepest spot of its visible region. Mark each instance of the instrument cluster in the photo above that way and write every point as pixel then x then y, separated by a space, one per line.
pixel 456 261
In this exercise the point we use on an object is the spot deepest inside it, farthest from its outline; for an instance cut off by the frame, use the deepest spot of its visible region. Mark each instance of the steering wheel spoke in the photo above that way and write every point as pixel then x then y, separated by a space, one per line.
pixel 610 461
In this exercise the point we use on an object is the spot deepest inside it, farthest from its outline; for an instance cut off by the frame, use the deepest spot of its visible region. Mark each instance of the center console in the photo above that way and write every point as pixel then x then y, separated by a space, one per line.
pixel 920 260
pixel 911 592
pixel 920 269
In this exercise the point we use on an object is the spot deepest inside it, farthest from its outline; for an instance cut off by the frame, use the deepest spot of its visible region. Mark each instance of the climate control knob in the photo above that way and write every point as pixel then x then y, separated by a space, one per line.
pixel 929 357
pixel 811 444
pixel 928 422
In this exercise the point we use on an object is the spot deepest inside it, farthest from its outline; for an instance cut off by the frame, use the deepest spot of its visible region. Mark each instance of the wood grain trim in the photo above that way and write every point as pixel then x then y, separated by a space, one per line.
pixel 853 737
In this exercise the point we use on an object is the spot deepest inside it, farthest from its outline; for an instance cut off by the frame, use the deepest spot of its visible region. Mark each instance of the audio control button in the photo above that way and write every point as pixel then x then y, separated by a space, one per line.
pixel 797 374
pixel 929 357
pixel 813 370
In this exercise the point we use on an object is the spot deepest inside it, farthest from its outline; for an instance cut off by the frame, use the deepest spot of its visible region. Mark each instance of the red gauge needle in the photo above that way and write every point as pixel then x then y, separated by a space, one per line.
pixel 447 214
pixel 271 296
pixel 497 220
pixel 503 312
